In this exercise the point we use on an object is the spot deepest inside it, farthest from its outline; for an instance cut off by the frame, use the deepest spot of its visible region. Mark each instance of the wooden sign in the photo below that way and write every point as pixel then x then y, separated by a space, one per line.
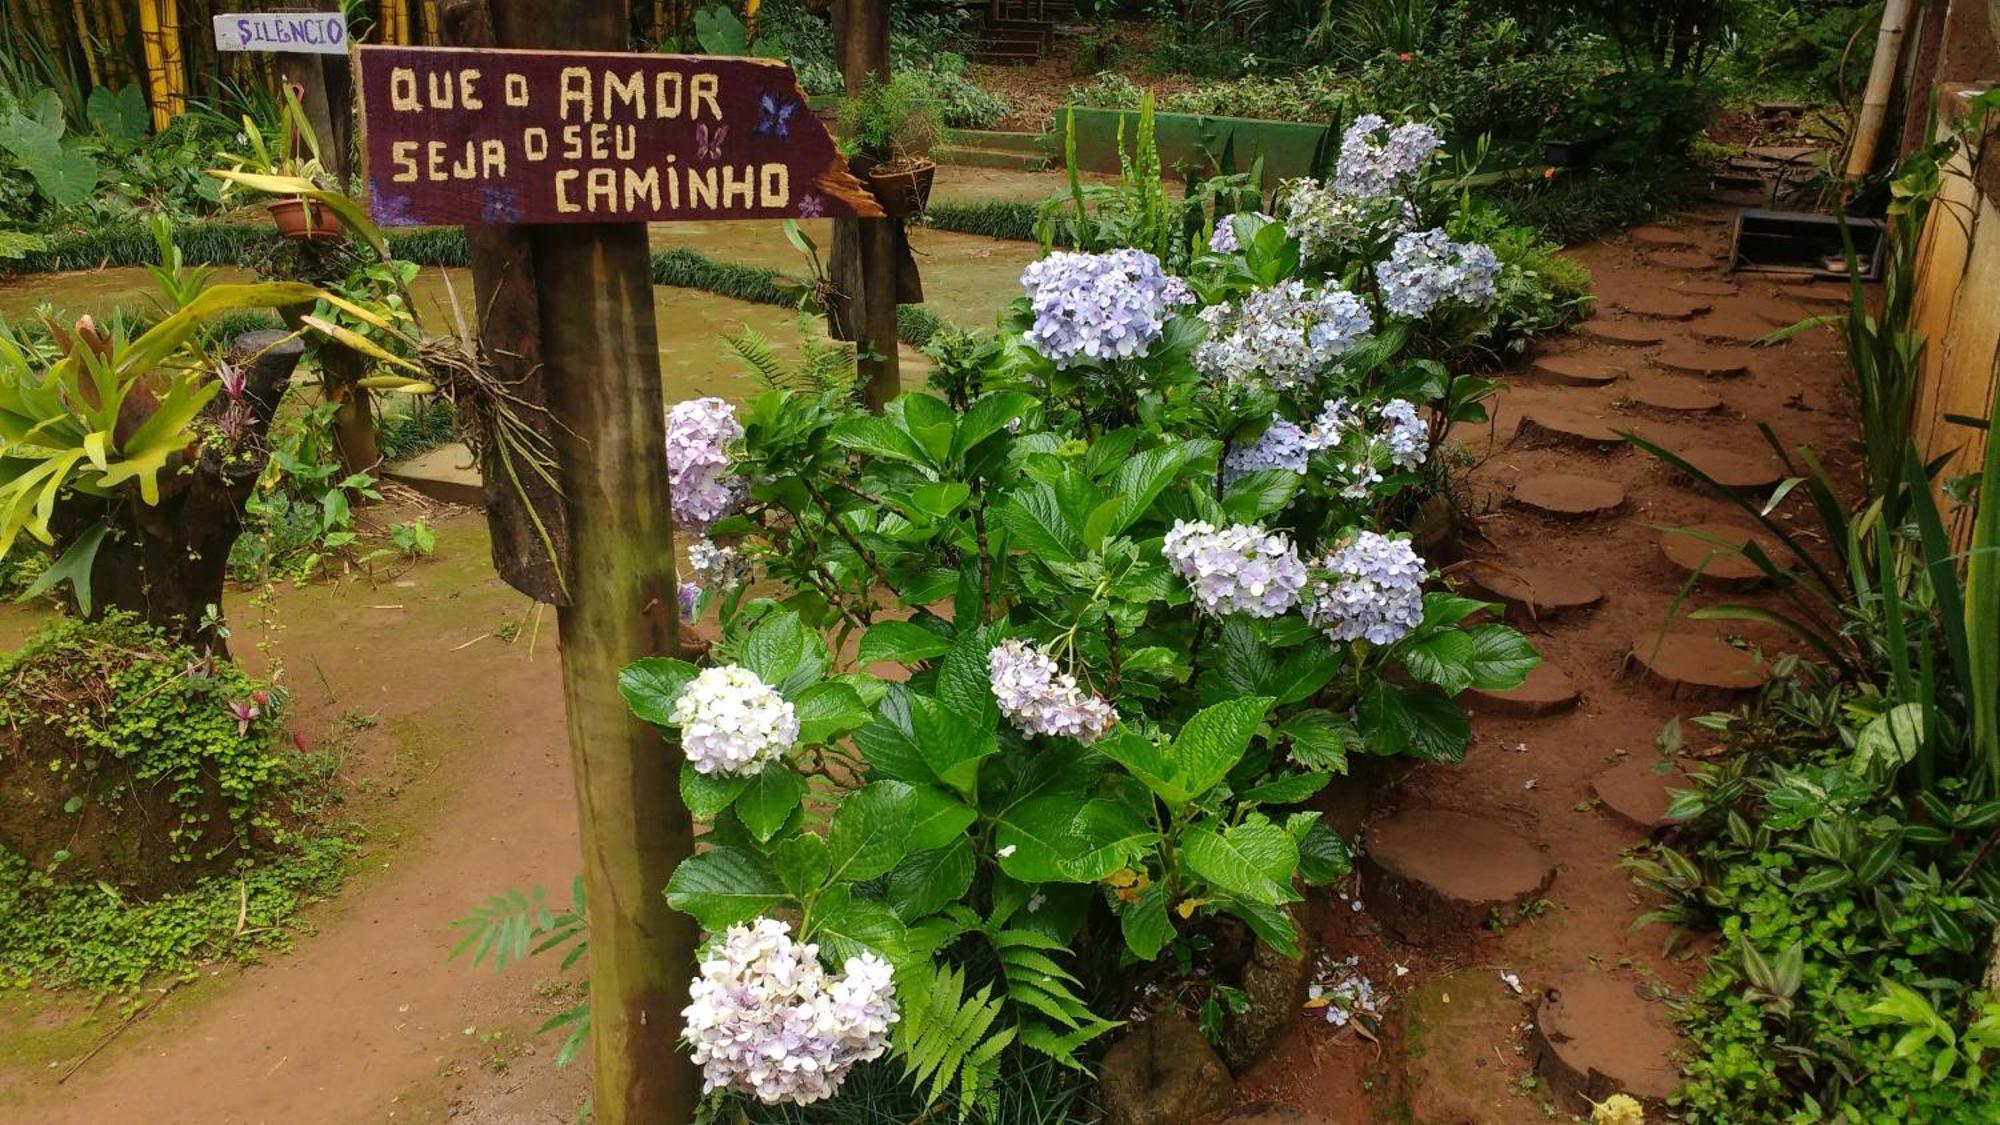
pixel 457 136
pixel 296 33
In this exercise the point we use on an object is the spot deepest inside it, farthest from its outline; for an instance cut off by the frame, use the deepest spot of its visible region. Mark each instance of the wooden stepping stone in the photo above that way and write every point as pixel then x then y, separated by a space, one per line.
pixel 1682 260
pixel 1822 295
pixel 1636 792
pixel 1436 875
pixel 1676 396
pixel 1664 306
pixel 1595 1036
pixel 1665 238
pixel 1261 1113
pixel 1702 287
pixel 1733 469
pixel 1694 665
pixel 1568 496
pixel 1577 369
pixel 1704 218
pixel 1731 328
pixel 1695 549
pixel 1783 314
pixel 1627 332
pixel 1546 691
pixel 1452 1023
pixel 1538 591
pixel 1698 359
pixel 1554 425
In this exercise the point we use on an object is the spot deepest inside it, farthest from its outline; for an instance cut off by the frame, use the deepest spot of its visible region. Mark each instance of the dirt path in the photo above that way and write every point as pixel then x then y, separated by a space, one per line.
pixel 465 781
pixel 1460 1044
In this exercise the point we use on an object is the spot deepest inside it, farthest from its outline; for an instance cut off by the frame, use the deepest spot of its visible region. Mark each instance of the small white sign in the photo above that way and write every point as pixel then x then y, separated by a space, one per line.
pixel 298 33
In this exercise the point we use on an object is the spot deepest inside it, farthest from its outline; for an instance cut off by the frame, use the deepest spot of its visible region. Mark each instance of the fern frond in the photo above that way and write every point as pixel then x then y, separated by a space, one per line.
pixel 502 928
pixel 944 1037
pixel 753 350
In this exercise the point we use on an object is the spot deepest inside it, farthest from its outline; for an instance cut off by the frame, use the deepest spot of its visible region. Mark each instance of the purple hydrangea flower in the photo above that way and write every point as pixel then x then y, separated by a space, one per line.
pixel 1377 161
pixel 698 435
pixel 1238 569
pixel 1223 241
pixel 1282 445
pixel 1426 269
pixel 766 1019
pixel 690 599
pixel 1288 334
pixel 721 567
pixel 1406 435
pixel 1369 588
pixel 1099 306
pixel 1039 698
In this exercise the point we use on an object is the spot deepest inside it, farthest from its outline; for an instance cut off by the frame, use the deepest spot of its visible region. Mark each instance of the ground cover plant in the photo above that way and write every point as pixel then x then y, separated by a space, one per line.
pixel 1840 845
pixel 1143 564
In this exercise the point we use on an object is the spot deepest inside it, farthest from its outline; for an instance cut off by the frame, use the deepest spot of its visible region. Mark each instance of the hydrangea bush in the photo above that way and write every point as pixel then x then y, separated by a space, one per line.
pixel 1054 659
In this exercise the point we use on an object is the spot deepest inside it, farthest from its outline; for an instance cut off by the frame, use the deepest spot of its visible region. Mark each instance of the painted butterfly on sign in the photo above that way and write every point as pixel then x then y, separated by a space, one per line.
pixel 775 115
pixel 708 146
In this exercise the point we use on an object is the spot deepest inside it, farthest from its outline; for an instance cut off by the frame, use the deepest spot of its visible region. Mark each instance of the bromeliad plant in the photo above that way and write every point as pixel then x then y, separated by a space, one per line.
pixel 1051 661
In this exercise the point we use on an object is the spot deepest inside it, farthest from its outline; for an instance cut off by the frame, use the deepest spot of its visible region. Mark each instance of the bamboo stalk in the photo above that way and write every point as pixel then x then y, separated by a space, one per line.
pixel 156 75
pixel 172 62
pixel 88 38
pixel 119 27
pixel 1881 82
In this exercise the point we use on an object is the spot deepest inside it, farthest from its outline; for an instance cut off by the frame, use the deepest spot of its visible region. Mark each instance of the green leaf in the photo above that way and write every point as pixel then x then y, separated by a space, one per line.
pixel 1145 923
pixel 938 500
pixel 802 863
pixel 1323 855
pixel 1288 789
pixel 1063 839
pixel 1272 924
pixel 769 799
pixel 784 654
pixel 120 116
pixel 1144 759
pixel 987 417
pixel 1034 521
pixel 1501 658
pixel 1213 741
pixel 878 438
pixel 1303 673
pixel 964 680
pixel 651 686
pixel 723 886
pixel 1416 722
pixel 1320 740
pixel 706 794
pixel 951 742
pixel 847 925
pixel 1252 497
pixel 1443 658
pixel 1890 739
pixel 73 567
pixel 933 818
pixel 926 882
pixel 866 836
pixel 1137 483
pixel 827 710
pixel 889 741
pixel 1252 860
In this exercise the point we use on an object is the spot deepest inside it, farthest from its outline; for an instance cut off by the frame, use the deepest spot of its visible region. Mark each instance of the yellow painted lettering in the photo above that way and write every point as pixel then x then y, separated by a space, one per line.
pixel 629 92
pixel 403 155
pixel 599 150
pixel 535 143
pixel 492 158
pixel 576 91
pixel 667 91
pixel 738 186
pixel 435 168
pixel 701 188
pixel 403 90
pixel 774 186
pixel 563 203
pixel 468 90
pixel 625 142
pixel 601 183
pixel 642 186
pixel 705 89
pixel 514 88
pixel 572 137
pixel 439 93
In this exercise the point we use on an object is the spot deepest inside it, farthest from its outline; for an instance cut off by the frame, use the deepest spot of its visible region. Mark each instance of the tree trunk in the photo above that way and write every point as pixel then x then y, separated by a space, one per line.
pixel 168 562
pixel 868 254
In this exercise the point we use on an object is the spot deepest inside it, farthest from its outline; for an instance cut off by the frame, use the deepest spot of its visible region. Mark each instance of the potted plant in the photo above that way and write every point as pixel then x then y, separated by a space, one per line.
pixel 890 129
pixel 294 156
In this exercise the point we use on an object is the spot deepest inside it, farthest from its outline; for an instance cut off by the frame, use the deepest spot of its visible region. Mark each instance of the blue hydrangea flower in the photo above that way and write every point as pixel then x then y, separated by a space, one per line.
pixel 1376 160
pixel 1099 306
pixel 1289 334
pixel 1368 588
pixel 1282 445
pixel 1426 269
pixel 1406 434
pixel 1223 241
pixel 1238 569
pixel 704 489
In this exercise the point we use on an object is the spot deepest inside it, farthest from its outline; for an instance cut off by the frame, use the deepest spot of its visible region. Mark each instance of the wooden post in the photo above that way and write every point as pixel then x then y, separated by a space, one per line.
pixel 599 346
pixel 868 253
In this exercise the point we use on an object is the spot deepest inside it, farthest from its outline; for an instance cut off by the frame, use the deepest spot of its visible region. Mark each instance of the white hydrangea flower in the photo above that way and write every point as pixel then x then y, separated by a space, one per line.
pixel 1041 699
pixel 1289 334
pixel 1282 445
pixel 720 567
pixel 1369 588
pixel 1238 569
pixel 732 723
pixel 766 1019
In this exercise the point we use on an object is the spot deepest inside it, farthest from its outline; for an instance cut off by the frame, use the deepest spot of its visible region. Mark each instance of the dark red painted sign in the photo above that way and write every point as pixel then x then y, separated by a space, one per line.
pixel 458 136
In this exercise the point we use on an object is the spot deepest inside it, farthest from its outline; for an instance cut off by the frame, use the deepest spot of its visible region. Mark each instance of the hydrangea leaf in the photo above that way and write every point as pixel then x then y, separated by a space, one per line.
pixel 1211 743
pixel 900 642
pixel 1420 722
pixel 723 886
pixel 769 799
pixel 802 863
pixel 651 686
pixel 827 710
pixel 1252 860
pixel 1501 659
pixel 926 882
pixel 867 834
pixel 1145 923
pixel 707 794
pixel 784 654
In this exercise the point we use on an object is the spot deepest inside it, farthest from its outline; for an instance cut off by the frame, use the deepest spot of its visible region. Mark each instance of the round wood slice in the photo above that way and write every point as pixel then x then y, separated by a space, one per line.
pixel 1628 333
pixel 1659 305
pixel 1635 790
pixel 1577 369
pixel 1595 1036
pixel 1683 260
pixel 1732 328
pixel 1672 395
pixel 1691 665
pixel 1823 296
pixel 1695 359
pixel 1435 875
pixel 1569 496
pixel 1665 238
pixel 1704 287
pixel 1695 548
pixel 1734 469
pixel 1546 691
pixel 1539 591
pixel 1555 425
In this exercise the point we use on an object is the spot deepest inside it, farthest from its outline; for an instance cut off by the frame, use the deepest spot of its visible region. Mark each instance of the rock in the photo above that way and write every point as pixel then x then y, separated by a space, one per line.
pixel 1460 1031
pixel 1629 333
pixel 1635 791
pixel 1696 549
pixel 1692 665
pixel 1577 369
pixel 1276 987
pixel 1555 425
pixel 1694 359
pixel 1595 1037
pixel 1546 691
pixel 1537 591
pixel 1434 876
pixel 1665 238
pixel 1162 1073
pixel 1657 305
pixel 1568 496
pixel 1734 470
pixel 1672 395
pixel 1682 260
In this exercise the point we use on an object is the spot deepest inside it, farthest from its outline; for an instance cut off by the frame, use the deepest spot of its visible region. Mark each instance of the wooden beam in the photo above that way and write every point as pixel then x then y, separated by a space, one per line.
pixel 868 253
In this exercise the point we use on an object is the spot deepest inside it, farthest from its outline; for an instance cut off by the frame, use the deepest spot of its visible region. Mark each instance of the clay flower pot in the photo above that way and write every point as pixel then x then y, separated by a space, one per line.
pixel 904 190
pixel 307 220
